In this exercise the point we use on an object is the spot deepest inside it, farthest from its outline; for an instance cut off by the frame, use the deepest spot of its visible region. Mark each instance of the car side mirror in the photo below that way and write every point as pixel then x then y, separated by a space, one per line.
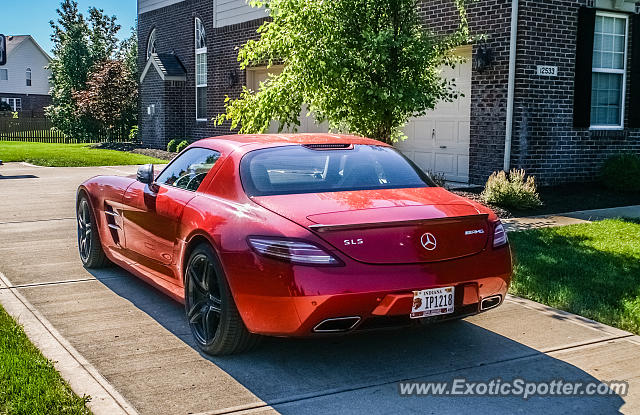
pixel 145 174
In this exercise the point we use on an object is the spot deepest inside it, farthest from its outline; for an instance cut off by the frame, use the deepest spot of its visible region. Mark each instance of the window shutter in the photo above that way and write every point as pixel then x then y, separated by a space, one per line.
pixel 584 59
pixel 634 108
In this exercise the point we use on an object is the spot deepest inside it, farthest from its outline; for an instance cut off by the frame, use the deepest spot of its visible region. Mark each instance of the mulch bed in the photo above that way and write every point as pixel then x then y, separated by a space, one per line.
pixel 136 148
pixel 564 198
pixel 474 194
pixel 152 152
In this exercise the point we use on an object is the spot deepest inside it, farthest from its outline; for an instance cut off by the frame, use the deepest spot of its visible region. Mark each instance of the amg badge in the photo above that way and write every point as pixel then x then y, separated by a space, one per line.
pixel 475 232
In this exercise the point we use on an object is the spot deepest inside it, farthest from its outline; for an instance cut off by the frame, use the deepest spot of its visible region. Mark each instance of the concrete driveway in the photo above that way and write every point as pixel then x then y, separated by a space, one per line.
pixel 139 341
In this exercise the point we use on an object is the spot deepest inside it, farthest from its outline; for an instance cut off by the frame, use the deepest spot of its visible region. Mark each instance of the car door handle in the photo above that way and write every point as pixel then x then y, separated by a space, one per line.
pixel 443 146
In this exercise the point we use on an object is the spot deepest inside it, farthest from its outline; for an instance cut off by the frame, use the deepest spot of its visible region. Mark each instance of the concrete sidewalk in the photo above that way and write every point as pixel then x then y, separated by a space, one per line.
pixel 138 340
pixel 571 218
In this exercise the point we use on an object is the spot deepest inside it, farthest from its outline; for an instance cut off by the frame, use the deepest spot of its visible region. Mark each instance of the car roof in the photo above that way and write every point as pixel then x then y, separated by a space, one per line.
pixel 269 140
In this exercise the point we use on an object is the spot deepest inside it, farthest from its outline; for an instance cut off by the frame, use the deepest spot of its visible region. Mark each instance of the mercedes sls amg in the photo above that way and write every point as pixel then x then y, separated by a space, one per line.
pixel 296 235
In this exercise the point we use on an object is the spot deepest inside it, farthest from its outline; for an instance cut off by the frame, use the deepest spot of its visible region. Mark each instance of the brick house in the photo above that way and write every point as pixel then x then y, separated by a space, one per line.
pixel 554 89
pixel 24 78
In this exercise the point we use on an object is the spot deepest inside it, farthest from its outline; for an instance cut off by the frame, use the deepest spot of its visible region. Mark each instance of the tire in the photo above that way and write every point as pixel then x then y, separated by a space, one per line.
pixel 211 312
pixel 89 245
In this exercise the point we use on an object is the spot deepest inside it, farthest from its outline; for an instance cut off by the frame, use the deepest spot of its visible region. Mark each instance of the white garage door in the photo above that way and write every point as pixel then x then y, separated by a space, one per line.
pixel 439 141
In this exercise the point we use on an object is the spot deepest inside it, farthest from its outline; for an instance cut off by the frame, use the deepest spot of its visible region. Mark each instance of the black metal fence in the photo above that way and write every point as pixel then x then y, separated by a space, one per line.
pixel 41 130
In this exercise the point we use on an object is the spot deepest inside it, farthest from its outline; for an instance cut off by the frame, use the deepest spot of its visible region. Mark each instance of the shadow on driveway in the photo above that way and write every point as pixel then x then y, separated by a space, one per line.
pixel 20 176
pixel 359 373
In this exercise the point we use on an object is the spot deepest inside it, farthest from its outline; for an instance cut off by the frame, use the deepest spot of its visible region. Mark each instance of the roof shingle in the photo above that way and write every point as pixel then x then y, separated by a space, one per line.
pixel 169 64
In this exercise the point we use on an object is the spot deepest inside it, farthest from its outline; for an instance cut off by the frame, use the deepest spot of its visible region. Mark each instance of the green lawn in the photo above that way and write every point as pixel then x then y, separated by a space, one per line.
pixel 69 155
pixel 29 384
pixel 592 270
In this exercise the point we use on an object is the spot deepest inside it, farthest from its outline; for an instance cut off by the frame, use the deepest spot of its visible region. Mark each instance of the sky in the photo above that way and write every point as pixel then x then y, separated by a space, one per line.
pixel 31 17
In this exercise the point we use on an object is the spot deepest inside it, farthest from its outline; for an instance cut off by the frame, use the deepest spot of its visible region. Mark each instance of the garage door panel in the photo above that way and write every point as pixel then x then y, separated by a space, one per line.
pixel 464 135
pixel 446 163
pixel 444 109
pixel 416 132
pixel 454 166
pixel 446 132
pixel 463 166
pixel 423 160
pixel 464 103
pixel 450 73
pixel 410 133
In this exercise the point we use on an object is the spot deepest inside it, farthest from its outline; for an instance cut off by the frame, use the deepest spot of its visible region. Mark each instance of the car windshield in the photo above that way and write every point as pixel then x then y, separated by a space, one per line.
pixel 299 169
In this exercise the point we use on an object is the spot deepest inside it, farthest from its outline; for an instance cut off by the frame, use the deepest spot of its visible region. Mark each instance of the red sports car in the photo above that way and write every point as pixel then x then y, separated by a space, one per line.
pixel 296 235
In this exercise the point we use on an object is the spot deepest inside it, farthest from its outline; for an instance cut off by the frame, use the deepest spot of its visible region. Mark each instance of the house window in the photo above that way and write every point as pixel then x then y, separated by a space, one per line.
pixel 609 70
pixel 201 70
pixel 4 74
pixel 151 44
pixel 14 103
pixel 28 76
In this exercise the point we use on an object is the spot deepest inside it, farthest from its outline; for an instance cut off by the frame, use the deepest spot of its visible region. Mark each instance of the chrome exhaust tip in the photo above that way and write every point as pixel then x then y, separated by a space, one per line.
pixel 490 302
pixel 337 325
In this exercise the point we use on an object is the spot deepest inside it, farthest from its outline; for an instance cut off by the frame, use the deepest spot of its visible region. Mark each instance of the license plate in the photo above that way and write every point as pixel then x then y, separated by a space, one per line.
pixel 432 302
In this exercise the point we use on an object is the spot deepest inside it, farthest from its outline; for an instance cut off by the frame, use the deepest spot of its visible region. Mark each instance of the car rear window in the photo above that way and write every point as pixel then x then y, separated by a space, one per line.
pixel 298 169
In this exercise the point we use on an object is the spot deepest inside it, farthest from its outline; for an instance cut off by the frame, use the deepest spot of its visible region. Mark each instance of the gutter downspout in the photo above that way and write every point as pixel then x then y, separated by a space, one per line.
pixel 512 84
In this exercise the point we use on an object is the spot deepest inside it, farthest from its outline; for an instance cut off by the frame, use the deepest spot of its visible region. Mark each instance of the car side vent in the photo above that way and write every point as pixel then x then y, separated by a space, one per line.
pixel 335 146
pixel 113 223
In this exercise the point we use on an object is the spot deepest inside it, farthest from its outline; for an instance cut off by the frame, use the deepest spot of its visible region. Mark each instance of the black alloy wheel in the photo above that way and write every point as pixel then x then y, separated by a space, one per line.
pixel 89 246
pixel 215 322
pixel 205 304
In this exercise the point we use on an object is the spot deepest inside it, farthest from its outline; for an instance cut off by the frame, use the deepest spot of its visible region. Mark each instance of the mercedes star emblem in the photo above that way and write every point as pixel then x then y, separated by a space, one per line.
pixel 428 241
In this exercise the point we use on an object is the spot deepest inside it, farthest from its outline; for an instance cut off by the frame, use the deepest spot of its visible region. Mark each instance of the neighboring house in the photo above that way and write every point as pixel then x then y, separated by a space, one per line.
pixel 554 89
pixel 24 80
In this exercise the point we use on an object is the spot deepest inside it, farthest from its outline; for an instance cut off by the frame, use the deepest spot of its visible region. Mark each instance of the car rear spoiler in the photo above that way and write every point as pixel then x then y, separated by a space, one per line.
pixel 370 225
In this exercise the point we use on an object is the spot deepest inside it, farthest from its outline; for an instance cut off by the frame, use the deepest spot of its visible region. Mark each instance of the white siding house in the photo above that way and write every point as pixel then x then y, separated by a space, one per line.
pixel 24 80
pixel 225 12
pixel 149 5
pixel 228 12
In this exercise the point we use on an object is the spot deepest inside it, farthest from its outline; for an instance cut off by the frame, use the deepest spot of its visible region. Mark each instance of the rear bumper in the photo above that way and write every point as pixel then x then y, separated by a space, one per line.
pixel 298 316
pixel 380 296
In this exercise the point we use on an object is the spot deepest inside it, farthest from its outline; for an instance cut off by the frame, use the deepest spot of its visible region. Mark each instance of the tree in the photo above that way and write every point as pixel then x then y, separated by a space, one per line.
pixel 69 67
pixel 110 97
pixel 128 52
pixel 102 35
pixel 78 45
pixel 365 66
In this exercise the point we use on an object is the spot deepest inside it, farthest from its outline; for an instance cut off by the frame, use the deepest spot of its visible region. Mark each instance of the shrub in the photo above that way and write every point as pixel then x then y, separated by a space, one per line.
pixel 622 172
pixel 183 144
pixel 511 192
pixel 5 107
pixel 134 134
pixel 438 178
pixel 172 146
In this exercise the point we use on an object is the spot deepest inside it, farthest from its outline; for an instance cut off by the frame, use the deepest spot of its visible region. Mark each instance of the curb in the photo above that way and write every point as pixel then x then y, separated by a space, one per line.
pixel 82 377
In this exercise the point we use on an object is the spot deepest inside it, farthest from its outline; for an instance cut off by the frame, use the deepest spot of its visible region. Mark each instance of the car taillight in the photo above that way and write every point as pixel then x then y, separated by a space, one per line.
pixel 499 236
pixel 294 251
